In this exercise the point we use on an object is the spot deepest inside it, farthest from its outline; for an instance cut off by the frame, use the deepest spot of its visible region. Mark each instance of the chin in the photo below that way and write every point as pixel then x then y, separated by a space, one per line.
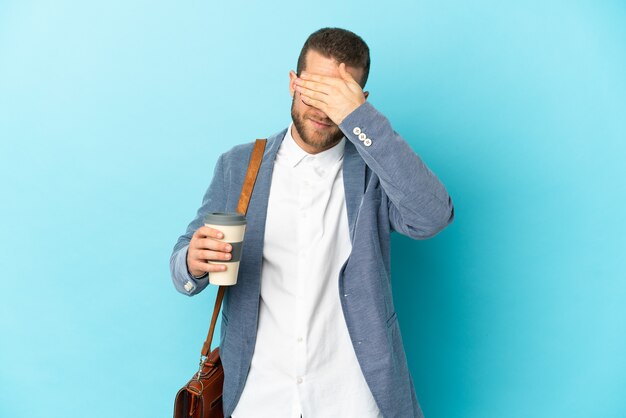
pixel 319 141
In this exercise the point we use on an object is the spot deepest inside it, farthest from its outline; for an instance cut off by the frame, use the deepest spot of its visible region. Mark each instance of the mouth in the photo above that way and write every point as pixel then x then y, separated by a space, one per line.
pixel 320 125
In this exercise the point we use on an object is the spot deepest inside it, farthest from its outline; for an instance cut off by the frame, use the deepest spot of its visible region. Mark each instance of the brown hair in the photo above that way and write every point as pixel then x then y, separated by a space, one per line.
pixel 340 45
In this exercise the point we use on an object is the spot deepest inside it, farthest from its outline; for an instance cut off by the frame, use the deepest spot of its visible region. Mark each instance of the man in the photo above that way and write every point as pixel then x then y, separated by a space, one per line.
pixel 310 328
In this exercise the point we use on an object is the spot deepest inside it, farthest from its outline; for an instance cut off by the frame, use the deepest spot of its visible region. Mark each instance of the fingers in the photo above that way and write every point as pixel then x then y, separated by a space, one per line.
pixel 210 244
pixel 202 260
pixel 313 94
pixel 352 84
pixel 325 89
pixel 204 247
pixel 205 267
pixel 322 79
pixel 205 231
pixel 345 81
pixel 199 254
pixel 315 103
pixel 211 255
pixel 319 90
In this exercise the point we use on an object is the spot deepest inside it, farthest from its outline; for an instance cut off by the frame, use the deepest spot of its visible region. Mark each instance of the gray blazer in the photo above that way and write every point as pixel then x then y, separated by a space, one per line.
pixel 388 188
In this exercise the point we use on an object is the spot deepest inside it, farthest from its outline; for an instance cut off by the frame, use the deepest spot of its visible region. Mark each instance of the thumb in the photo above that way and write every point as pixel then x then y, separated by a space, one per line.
pixel 343 73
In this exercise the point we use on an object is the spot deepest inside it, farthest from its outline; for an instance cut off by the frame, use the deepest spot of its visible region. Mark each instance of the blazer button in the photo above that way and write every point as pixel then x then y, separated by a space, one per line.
pixel 367 142
pixel 362 136
pixel 356 130
pixel 188 286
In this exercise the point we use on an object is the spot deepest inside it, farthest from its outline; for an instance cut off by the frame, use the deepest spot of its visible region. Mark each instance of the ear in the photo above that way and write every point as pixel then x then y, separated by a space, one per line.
pixel 292 82
pixel 366 93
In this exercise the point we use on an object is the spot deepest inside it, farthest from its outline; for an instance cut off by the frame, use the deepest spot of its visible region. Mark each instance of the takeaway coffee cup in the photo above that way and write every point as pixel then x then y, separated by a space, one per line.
pixel 233 226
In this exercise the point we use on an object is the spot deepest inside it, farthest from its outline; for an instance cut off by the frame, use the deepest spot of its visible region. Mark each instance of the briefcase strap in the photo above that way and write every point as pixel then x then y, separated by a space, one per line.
pixel 242 207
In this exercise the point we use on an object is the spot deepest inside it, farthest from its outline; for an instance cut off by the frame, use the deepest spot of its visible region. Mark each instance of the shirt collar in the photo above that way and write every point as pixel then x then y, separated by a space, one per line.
pixel 295 155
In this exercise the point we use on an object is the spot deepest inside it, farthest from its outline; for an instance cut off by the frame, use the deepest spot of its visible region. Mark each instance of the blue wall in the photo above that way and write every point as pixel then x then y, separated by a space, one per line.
pixel 112 115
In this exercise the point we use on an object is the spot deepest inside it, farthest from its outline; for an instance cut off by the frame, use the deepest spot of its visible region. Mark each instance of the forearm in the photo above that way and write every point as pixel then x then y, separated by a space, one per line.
pixel 419 203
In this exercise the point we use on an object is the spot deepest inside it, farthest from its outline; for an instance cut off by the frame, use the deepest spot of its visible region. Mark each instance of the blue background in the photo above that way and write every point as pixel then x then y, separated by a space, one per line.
pixel 112 116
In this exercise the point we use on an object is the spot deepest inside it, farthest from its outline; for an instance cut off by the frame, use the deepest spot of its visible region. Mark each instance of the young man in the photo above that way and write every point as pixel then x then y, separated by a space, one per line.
pixel 310 328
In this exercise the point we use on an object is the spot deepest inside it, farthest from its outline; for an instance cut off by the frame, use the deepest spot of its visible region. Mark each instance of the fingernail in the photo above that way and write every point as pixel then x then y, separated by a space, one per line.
pixel 220 235
pixel 228 248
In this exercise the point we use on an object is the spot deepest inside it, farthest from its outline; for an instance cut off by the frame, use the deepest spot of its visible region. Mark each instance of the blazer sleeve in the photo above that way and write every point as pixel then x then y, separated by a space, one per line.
pixel 214 201
pixel 419 204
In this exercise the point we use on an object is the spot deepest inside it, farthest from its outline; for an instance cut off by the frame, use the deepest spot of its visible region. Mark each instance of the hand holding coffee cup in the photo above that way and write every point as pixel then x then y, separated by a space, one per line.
pixel 223 241
pixel 206 245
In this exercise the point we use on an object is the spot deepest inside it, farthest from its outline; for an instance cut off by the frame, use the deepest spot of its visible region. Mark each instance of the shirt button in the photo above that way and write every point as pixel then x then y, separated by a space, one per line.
pixel 362 136
pixel 299 380
pixel 356 130
pixel 299 339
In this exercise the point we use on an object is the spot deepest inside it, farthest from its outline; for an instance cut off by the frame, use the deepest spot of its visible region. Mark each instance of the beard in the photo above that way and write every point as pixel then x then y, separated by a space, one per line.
pixel 320 139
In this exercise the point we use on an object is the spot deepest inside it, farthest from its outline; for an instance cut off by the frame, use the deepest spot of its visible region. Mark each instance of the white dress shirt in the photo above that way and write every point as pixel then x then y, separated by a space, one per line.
pixel 303 361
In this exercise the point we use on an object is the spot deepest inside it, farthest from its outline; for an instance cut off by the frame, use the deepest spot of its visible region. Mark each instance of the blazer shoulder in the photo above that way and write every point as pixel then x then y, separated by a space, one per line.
pixel 239 155
pixel 236 152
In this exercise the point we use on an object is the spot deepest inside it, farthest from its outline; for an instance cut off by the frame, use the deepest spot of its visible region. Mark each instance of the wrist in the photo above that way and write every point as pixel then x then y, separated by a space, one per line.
pixel 201 275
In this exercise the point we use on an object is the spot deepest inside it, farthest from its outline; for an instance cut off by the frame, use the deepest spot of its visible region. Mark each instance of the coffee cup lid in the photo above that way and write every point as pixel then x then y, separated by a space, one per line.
pixel 225 218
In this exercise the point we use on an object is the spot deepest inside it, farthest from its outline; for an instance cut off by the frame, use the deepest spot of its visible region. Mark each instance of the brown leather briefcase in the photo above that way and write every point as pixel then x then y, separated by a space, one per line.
pixel 202 396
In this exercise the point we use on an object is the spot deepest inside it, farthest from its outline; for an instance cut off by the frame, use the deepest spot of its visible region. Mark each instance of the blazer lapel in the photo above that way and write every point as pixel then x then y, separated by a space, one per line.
pixel 250 289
